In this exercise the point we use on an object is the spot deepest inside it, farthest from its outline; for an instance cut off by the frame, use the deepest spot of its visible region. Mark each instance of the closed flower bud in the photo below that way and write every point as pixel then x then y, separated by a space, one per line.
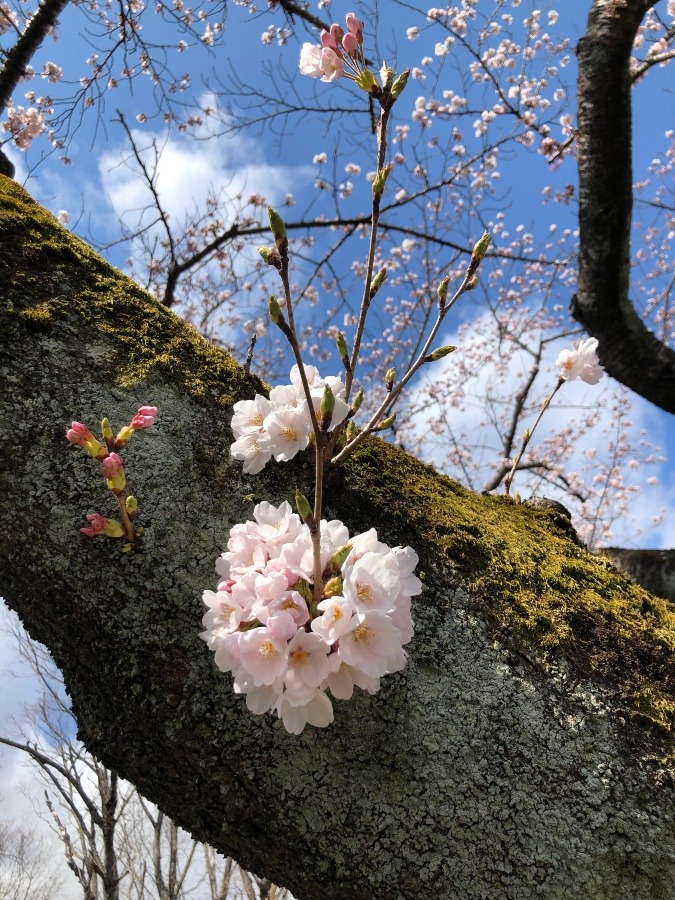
pixel 377 282
pixel 342 349
pixel 389 378
pixel 385 423
pixel 381 179
pixel 398 86
pixel 274 309
pixel 367 82
pixel 326 408
pixel 123 437
pixel 357 401
pixel 278 228
pixel 106 430
pixel 442 291
pixel 386 76
pixel 439 353
pixel 332 587
pixel 473 283
pixel 131 505
pixel 114 529
pixel 302 506
pixel 478 252
pixel 337 560
pixel 270 255
pixel 350 431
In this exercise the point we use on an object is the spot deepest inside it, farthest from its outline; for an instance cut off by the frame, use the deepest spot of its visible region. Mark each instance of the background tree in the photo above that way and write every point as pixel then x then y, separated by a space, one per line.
pixel 26 872
pixel 117 845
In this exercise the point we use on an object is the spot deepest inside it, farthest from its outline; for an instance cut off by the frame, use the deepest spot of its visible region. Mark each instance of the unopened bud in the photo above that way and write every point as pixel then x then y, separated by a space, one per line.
pixel 386 76
pixel 303 588
pixel 302 506
pixel 274 309
pixel 342 349
pixel 123 437
pixel 473 283
pixel 278 228
pixel 377 282
pixel 357 401
pixel 385 423
pixel 106 430
pixel 350 431
pixel 113 529
pixel 527 436
pixel 398 86
pixel 439 353
pixel 442 291
pixel 333 587
pixel 366 82
pixel 336 561
pixel 389 378
pixel 326 408
pixel 131 505
pixel 478 252
pixel 270 255
pixel 381 179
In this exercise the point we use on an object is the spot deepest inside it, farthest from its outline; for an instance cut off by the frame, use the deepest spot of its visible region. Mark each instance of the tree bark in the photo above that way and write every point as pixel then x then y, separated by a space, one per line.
pixel 525 751
pixel 628 350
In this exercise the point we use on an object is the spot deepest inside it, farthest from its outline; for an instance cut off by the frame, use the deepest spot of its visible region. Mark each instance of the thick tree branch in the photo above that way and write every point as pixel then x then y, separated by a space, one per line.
pixel 19 56
pixel 630 352
pixel 538 700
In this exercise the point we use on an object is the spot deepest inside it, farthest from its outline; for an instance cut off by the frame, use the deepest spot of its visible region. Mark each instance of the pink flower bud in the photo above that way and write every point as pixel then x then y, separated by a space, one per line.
pixel 79 434
pixel 354 25
pixel 337 33
pixel 328 40
pixel 144 418
pixel 112 466
pixel 350 44
pixel 97 525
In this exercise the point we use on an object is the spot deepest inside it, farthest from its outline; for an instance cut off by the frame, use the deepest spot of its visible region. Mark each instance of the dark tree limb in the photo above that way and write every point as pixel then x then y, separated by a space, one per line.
pixel 19 56
pixel 525 751
pixel 630 352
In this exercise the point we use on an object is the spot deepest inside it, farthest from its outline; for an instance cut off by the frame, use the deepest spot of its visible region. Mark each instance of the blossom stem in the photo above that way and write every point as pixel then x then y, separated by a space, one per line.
pixel 365 302
pixel 528 435
pixel 387 404
pixel 129 529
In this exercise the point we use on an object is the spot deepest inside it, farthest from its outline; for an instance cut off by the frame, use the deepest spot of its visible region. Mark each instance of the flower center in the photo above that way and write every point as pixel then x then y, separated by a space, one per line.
pixel 298 657
pixel 362 634
pixel 364 593
pixel 266 649
pixel 289 434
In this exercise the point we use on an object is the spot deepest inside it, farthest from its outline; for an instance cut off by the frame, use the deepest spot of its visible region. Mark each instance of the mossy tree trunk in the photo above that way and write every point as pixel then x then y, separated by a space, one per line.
pixel 524 752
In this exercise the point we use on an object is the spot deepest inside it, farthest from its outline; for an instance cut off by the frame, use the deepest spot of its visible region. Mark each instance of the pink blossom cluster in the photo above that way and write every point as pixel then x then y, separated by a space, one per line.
pixel 580 362
pixel 281 426
pixel 285 650
pixel 327 60
pixel 23 125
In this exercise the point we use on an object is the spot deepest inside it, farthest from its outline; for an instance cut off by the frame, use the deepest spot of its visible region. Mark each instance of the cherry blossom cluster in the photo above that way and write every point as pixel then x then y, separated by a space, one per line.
pixel 338 49
pixel 281 426
pixel 286 650
pixel 112 469
pixel 23 125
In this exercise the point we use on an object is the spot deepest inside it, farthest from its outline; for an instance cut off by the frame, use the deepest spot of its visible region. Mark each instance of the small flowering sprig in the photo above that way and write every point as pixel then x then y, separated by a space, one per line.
pixel 285 649
pixel 112 469
pixel 303 609
pixel 579 362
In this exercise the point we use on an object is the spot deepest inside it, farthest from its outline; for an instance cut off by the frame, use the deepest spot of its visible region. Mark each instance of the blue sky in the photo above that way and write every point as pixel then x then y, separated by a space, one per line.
pixel 97 184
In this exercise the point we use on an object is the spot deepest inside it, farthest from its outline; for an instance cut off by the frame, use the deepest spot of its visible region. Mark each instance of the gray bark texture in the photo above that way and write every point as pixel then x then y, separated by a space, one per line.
pixel 628 350
pixel 525 751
